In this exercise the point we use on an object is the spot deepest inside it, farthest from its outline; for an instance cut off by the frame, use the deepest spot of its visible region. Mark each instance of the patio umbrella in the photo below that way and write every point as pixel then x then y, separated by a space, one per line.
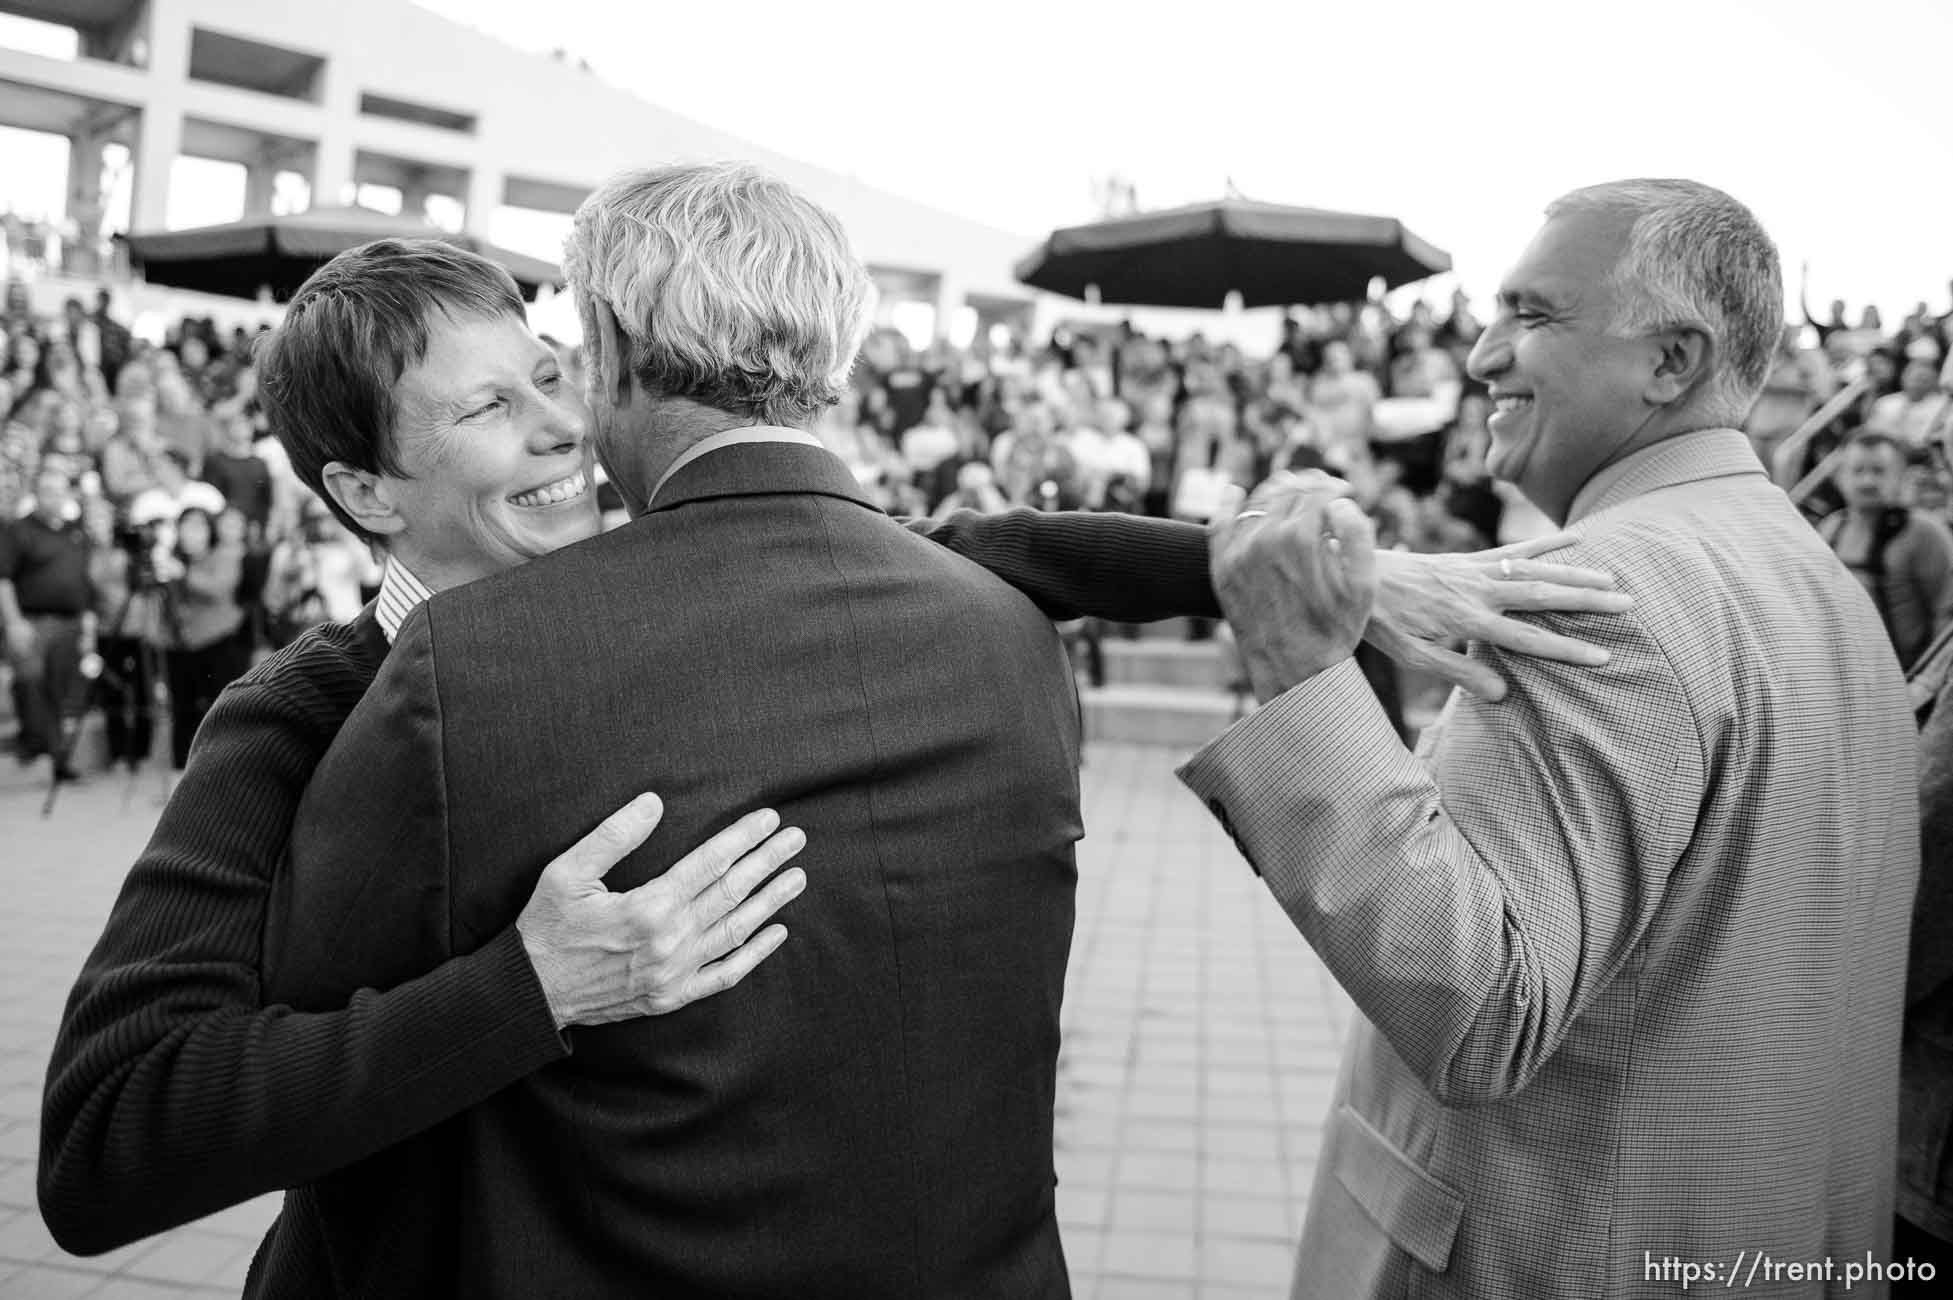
pixel 1272 255
pixel 236 258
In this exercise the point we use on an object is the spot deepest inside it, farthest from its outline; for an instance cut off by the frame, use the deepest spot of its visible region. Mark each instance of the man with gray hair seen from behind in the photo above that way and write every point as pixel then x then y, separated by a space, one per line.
pixel 1629 947
pixel 872 1116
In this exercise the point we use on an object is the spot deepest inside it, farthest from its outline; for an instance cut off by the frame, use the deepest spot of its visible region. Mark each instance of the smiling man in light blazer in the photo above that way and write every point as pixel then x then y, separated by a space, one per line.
pixel 1630 945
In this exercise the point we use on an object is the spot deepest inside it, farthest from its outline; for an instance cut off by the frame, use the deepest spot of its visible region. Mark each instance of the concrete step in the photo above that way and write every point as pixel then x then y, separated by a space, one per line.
pixel 1183 717
pixel 1152 662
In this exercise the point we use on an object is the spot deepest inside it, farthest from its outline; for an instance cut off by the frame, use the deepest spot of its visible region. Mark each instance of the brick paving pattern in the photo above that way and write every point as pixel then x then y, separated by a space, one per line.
pixel 1201 1037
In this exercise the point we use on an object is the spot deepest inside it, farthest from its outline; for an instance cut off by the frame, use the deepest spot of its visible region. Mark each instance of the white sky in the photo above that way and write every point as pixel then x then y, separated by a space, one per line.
pixel 1834 121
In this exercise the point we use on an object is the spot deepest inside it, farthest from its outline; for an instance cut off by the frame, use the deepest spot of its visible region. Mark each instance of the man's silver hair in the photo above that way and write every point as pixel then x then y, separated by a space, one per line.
pixel 1694 258
pixel 730 288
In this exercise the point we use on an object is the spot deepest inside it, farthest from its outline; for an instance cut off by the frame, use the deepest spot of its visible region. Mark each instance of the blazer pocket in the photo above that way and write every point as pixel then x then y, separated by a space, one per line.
pixel 1418 1212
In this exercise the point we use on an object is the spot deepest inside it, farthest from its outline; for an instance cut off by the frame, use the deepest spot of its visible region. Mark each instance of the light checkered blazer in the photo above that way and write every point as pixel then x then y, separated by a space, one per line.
pixel 1629 946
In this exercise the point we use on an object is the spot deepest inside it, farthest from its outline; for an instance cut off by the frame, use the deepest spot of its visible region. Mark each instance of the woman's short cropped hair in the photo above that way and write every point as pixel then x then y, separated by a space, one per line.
pixel 326 376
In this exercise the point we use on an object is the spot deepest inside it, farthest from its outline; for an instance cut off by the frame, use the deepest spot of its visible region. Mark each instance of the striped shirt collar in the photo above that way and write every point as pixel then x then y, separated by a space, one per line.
pixel 401 593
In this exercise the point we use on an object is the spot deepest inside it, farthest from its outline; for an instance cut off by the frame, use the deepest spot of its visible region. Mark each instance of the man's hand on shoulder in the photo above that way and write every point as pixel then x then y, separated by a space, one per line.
pixel 1427 602
pixel 603 956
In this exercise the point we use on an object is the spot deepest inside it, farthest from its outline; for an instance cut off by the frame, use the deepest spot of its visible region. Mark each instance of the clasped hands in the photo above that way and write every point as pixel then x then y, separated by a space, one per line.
pixel 1301 582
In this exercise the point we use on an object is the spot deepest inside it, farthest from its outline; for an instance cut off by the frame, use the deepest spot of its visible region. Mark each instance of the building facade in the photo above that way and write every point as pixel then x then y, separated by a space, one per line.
pixel 316 100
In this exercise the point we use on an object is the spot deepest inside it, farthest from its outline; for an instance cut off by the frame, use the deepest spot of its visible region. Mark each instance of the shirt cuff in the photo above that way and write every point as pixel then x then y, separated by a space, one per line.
pixel 1289 751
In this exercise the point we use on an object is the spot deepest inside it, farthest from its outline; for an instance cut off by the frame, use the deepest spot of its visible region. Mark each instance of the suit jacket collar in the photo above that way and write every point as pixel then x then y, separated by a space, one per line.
pixel 372 638
pixel 759 469
pixel 1685 458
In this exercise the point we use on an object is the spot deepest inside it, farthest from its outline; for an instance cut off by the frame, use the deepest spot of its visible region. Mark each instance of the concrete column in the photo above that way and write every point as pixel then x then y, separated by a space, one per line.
pixel 169 40
pixel 260 176
pixel 486 188
pixel 332 161
pixel 414 193
pixel 85 202
pixel 160 139
pixel 949 300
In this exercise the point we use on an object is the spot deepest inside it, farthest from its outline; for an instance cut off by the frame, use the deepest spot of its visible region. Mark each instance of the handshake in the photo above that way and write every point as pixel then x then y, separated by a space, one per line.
pixel 1301 581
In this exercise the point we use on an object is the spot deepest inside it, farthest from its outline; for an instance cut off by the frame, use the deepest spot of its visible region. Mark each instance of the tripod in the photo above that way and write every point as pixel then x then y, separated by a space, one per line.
pixel 137 690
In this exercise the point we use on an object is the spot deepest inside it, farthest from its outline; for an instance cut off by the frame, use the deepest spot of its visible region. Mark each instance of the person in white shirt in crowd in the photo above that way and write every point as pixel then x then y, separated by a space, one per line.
pixel 1126 460
pixel 933 441
pixel 1204 436
pixel 1081 435
pixel 1343 399
pixel 1912 415
pixel 1089 361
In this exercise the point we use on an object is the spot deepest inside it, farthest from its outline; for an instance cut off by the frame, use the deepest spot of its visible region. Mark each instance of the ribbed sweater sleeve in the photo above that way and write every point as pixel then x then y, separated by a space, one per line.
pixel 1075 564
pixel 174 1091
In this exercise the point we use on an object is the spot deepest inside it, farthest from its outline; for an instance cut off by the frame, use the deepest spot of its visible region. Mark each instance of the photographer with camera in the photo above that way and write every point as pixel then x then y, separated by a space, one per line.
pixel 46 615
pixel 127 605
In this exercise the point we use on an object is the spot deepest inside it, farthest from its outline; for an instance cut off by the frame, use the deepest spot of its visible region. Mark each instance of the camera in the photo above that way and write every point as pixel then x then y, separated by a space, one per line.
pixel 140 542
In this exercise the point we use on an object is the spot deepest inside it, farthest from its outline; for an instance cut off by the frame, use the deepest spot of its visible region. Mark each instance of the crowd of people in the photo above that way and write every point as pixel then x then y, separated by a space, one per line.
pixel 124 443
pixel 151 521
pixel 1109 418
pixel 1885 455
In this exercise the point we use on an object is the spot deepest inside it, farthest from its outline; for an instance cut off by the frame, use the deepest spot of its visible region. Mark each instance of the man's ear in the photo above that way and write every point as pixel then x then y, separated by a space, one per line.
pixel 612 367
pixel 1684 359
pixel 366 496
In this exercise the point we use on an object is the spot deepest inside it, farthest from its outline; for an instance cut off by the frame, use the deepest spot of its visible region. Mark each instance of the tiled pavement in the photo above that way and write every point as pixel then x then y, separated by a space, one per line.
pixel 1200 1045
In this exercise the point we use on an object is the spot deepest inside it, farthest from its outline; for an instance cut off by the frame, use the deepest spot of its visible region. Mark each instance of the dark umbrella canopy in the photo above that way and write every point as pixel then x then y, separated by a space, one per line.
pixel 1270 254
pixel 235 259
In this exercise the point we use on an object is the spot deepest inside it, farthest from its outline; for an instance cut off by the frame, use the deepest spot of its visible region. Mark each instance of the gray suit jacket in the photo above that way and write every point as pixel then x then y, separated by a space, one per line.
pixel 1630 945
